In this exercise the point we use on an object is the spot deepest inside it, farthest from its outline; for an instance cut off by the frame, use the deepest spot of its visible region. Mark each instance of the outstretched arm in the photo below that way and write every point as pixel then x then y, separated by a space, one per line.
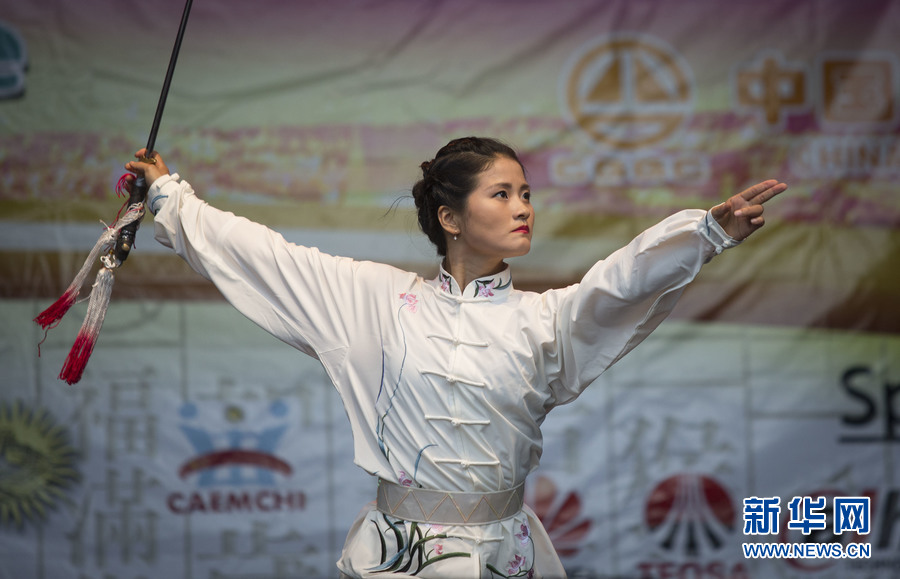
pixel 623 298
pixel 742 214
pixel 306 298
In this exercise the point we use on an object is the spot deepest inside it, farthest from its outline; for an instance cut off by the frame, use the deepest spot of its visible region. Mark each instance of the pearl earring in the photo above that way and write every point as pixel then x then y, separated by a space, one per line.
pixel 454 238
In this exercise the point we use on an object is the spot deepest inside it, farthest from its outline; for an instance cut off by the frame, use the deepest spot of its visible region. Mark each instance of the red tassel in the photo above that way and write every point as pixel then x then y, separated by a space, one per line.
pixel 78 357
pixel 58 309
pixel 90 330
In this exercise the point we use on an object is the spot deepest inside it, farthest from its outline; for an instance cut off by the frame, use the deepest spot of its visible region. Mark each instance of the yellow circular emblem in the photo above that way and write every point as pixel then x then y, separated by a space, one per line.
pixel 628 92
pixel 36 463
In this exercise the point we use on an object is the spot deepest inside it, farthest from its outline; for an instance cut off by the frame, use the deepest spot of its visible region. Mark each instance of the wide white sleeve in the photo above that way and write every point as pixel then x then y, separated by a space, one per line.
pixel 300 295
pixel 624 297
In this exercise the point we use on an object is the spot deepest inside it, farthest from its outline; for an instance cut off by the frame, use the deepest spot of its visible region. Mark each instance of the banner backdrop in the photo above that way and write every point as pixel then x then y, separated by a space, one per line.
pixel 197 446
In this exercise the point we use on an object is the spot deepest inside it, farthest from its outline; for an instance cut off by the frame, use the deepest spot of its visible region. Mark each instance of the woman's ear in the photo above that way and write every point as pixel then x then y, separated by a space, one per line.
pixel 449 220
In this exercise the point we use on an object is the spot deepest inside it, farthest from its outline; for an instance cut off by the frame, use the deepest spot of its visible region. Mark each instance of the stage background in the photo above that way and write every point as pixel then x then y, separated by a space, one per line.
pixel 776 375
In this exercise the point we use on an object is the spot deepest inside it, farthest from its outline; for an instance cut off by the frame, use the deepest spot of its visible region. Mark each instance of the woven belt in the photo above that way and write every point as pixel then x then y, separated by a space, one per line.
pixel 448 507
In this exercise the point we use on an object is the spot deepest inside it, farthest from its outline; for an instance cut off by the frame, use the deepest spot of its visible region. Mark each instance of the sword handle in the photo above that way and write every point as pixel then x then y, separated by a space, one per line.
pixel 127 234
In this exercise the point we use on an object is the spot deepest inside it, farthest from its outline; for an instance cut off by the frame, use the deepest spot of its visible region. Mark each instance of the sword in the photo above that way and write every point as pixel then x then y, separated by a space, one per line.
pixel 115 244
pixel 139 189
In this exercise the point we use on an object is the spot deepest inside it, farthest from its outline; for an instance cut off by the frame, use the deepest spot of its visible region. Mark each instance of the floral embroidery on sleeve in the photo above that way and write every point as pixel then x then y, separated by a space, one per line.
pixel 410 300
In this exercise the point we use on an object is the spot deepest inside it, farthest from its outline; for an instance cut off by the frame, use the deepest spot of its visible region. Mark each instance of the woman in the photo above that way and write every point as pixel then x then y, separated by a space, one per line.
pixel 447 381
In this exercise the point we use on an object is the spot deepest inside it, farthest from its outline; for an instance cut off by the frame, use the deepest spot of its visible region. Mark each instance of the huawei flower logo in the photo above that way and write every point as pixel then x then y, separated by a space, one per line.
pixel 561 515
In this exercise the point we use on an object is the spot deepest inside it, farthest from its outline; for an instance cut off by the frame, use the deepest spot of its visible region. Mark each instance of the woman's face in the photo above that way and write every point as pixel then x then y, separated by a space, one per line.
pixel 498 219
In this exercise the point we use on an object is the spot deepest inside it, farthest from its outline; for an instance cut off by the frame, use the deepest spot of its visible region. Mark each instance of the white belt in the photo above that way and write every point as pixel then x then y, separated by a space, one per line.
pixel 448 507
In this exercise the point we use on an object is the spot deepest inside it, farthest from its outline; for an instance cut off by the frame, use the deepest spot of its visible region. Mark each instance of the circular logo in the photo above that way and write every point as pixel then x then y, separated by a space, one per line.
pixel 689 514
pixel 628 92
pixel 13 61
pixel 36 463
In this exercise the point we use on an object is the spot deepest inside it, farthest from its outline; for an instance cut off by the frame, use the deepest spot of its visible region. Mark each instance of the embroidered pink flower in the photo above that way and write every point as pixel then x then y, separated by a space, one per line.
pixel 445 285
pixel 439 549
pixel 404 478
pixel 517 563
pixel 410 300
pixel 525 535
pixel 484 288
pixel 530 573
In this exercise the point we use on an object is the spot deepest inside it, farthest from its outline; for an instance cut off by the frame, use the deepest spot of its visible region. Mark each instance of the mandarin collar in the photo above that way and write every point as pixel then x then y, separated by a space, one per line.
pixel 491 287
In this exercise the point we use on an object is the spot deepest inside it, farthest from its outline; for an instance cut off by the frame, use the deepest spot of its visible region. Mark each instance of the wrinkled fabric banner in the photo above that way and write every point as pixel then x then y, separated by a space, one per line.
pixel 313 118
pixel 196 446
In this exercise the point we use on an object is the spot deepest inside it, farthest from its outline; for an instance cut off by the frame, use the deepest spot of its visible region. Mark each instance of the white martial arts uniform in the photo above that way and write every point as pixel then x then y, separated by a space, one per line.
pixel 445 387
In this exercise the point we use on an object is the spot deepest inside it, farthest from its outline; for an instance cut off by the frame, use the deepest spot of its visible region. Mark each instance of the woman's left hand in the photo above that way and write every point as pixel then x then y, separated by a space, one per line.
pixel 742 214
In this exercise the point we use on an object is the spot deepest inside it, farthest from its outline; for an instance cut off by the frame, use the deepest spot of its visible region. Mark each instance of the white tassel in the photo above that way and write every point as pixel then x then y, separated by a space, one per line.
pixel 90 330
pixel 99 301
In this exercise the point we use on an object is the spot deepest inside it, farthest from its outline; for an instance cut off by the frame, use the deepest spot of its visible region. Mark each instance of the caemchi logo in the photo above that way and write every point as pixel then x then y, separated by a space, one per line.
pixel 237 447
pixel 37 463
pixel 235 455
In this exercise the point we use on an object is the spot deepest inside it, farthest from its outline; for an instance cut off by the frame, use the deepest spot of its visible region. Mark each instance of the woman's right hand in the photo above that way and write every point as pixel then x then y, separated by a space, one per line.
pixel 150 170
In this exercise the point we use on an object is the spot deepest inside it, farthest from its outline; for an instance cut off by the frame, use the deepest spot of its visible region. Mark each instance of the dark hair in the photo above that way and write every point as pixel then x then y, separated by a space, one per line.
pixel 450 177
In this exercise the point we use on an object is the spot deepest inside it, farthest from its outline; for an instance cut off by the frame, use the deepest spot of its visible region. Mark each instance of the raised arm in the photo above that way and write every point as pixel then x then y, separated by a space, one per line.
pixel 300 295
pixel 624 297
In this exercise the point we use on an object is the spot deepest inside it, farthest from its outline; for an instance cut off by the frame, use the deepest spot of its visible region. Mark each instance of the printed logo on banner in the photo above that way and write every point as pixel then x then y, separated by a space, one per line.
pixel 236 456
pixel 628 91
pixel 858 90
pixel 562 515
pixel 37 463
pixel 692 514
pixel 629 94
pixel 851 90
pixel 853 95
pixel 13 62
pixel 772 87
pixel 873 418
pixel 691 518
